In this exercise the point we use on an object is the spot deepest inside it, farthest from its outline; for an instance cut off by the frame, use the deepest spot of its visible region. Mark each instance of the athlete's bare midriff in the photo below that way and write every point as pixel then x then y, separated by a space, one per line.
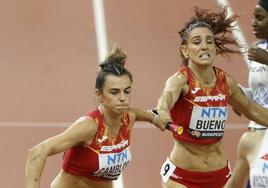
pixel 202 158
pixel 66 180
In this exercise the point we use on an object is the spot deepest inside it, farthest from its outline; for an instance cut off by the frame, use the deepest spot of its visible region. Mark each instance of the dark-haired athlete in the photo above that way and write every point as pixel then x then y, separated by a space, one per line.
pixel 197 97
pixel 97 145
pixel 252 161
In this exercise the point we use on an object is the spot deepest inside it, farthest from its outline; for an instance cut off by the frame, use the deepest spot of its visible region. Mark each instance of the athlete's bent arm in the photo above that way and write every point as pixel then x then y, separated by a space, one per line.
pixel 249 108
pixel 158 120
pixel 258 54
pixel 174 87
pixel 82 130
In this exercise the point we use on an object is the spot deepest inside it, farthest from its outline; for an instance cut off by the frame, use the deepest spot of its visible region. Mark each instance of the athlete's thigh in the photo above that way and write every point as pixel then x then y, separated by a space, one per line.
pixel 172 184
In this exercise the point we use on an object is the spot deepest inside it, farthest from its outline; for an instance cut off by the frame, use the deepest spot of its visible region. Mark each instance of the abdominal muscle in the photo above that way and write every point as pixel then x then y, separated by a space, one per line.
pixel 66 180
pixel 202 158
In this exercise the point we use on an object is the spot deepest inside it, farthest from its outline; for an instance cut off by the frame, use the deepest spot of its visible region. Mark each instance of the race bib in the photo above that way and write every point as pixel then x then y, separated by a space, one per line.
pixel 259 178
pixel 111 165
pixel 167 170
pixel 208 122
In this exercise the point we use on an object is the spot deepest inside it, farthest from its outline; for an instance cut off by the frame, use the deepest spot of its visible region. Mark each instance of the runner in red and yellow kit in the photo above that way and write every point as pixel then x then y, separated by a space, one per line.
pixel 97 144
pixel 197 98
pixel 105 157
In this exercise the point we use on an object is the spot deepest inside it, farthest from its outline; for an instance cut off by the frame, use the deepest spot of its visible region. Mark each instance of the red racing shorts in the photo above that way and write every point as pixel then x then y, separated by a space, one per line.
pixel 195 179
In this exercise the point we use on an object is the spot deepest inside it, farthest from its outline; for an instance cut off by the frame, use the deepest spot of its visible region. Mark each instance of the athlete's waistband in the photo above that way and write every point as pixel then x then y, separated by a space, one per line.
pixel 195 179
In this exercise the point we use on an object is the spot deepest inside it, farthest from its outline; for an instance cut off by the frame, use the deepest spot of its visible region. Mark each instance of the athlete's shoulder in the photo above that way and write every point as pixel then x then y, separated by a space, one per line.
pixel 231 81
pixel 177 78
pixel 94 113
pixel 219 70
pixel 88 121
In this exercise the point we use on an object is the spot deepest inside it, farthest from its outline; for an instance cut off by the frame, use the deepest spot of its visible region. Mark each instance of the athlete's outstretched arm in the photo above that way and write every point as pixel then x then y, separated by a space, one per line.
pixel 249 108
pixel 240 173
pixel 82 130
pixel 159 121
pixel 174 87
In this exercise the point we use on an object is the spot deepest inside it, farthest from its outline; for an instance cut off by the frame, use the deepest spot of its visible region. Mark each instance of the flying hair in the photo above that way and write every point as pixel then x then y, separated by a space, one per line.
pixel 219 24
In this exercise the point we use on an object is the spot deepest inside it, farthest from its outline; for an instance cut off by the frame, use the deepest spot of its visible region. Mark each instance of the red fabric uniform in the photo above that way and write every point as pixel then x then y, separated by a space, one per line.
pixel 105 157
pixel 202 112
pixel 193 179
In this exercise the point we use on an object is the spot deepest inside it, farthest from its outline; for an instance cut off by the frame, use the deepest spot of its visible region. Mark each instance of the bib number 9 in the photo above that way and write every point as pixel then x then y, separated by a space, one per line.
pixel 167 170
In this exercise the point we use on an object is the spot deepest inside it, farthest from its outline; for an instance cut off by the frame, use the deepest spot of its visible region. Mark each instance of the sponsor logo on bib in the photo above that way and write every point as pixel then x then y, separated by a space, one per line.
pixel 208 122
pixel 111 165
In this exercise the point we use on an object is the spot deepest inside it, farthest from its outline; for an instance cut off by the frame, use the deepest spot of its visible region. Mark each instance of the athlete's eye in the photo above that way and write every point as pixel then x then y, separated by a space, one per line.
pixel 128 91
pixel 196 42
pixel 259 17
pixel 114 92
pixel 210 41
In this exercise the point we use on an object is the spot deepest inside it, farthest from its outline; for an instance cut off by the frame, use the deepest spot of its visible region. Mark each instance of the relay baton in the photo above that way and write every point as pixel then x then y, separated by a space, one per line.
pixel 174 128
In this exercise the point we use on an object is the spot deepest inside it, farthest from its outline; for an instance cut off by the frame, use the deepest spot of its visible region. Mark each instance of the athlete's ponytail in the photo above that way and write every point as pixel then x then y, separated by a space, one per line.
pixel 112 65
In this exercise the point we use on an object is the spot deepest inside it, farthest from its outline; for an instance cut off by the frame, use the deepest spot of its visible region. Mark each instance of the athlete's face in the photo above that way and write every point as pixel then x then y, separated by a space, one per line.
pixel 260 22
pixel 115 96
pixel 200 48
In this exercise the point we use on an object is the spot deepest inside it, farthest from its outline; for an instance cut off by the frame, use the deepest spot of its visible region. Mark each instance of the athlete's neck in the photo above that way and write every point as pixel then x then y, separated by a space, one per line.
pixel 111 118
pixel 204 74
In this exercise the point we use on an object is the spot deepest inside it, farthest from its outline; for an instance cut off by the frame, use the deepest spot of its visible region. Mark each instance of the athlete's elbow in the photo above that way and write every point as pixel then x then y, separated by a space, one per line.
pixel 258 118
pixel 37 152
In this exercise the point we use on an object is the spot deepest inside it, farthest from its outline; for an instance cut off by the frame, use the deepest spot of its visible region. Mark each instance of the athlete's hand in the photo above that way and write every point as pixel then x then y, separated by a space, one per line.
pixel 258 54
pixel 161 119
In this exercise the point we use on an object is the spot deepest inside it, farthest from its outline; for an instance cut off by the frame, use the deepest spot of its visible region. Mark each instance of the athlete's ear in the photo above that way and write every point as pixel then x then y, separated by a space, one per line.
pixel 98 95
pixel 184 51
